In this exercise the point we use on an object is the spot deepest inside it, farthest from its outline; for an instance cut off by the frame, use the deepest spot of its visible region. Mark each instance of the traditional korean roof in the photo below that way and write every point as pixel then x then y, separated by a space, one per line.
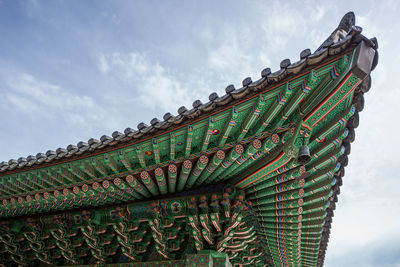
pixel 192 176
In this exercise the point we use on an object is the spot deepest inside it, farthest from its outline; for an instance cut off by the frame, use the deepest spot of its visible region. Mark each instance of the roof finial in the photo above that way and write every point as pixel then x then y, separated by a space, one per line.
pixel 348 20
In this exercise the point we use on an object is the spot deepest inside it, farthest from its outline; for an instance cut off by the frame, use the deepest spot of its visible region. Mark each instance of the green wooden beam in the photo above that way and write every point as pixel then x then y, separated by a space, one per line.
pixel 211 167
pixel 156 150
pixel 208 134
pixel 140 156
pixel 149 183
pixel 172 174
pixel 138 187
pixel 233 154
pixel 184 174
pixel 198 169
pixel 283 96
pixel 189 141
pixel 161 180
pixel 110 162
pixel 125 160
pixel 252 117
pixel 231 123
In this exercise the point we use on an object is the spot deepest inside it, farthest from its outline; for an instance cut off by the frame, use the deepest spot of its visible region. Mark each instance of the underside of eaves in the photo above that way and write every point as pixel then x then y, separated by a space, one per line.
pixel 248 178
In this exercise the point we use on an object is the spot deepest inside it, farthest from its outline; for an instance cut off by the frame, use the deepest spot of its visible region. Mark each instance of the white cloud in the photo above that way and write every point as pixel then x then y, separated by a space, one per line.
pixel 38 100
pixel 155 86
pixel 236 50
pixel 103 64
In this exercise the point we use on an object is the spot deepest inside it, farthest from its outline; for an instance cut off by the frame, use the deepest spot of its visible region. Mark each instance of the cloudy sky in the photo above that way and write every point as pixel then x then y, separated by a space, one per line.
pixel 74 70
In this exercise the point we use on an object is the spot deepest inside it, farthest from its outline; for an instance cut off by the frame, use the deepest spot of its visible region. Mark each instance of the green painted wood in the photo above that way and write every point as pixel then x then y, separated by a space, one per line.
pixel 184 174
pixel 281 100
pixel 252 117
pixel 149 183
pixel 140 156
pixel 156 151
pixel 199 167
pixel 161 181
pixel 231 123
pixel 172 176
pixel 123 157
pixel 121 184
pixel 189 141
pixel 138 187
pixel 250 150
pixel 233 154
pixel 110 162
pixel 208 134
pixel 216 160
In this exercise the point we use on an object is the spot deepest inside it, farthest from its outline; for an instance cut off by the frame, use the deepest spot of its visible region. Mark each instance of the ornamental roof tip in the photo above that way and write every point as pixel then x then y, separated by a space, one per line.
pixel 345 35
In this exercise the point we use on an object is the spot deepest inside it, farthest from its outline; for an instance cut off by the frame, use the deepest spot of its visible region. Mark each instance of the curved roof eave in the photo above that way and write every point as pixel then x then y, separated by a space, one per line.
pixel 344 36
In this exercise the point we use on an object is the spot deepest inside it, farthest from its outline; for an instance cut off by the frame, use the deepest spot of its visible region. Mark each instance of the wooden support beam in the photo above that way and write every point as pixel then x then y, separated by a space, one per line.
pixel 98 166
pixel 277 179
pixel 148 183
pixel 339 94
pixel 156 150
pixel 161 180
pixel 109 160
pixel 125 160
pixel 264 198
pixel 92 194
pixel 60 199
pixel 332 80
pixel 319 93
pixel 229 126
pixel 185 170
pixel 251 118
pixel 39 179
pixel 250 150
pixel 308 85
pixel 331 158
pixel 233 154
pixel 208 134
pixel 35 181
pixel 339 122
pixel 212 165
pixel 102 195
pixel 76 173
pixel 200 165
pixel 172 146
pixel 4 187
pixel 189 141
pixel 17 184
pixel 140 156
pixel 278 158
pixel 172 173
pixel 78 193
pixel 277 189
pixel 71 200
pixel 88 169
pixel 329 144
pixel 55 176
pixel 283 96
pixel 121 184
pixel 24 182
pixel 115 191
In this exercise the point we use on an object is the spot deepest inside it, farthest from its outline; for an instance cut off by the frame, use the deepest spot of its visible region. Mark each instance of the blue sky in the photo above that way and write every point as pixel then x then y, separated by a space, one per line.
pixel 72 70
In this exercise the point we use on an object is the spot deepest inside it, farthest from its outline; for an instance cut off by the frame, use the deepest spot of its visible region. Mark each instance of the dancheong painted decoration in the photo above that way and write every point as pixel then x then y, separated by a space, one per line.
pixel 248 178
